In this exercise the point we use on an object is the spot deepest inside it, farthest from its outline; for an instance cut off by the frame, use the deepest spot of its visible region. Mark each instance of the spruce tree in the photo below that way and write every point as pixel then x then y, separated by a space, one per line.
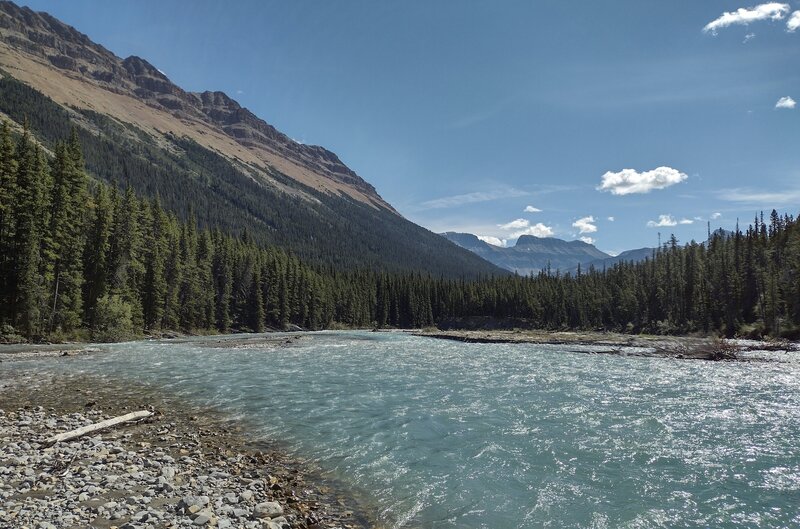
pixel 8 193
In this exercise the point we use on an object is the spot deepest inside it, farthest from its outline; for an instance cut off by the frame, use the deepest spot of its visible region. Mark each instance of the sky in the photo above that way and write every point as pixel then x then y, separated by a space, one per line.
pixel 607 121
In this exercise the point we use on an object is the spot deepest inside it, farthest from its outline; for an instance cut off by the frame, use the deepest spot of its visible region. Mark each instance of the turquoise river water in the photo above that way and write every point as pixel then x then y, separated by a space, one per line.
pixel 449 435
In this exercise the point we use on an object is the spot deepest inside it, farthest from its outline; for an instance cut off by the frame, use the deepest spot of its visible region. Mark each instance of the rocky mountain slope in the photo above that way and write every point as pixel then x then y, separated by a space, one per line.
pixel 533 254
pixel 204 155
pixel 68 67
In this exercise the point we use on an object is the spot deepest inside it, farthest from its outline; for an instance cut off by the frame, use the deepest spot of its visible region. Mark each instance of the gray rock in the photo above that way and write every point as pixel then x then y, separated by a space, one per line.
pixel 204 517
pixel 268 509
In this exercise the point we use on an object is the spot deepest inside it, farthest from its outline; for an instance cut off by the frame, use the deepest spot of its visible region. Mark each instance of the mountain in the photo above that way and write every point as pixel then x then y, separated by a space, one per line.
pixel 204 155
pixel 531 254
pixel 628 256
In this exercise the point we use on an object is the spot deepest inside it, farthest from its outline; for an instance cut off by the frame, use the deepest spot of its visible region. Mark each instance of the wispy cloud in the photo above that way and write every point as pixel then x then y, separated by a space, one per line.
pixel 630 181
pixel 716 215
pixel 667 221
pixel 585 225
pixel 531 209
pixel 760 198
pixel 748 38
pixel 747 15
pixel 611 219
pixel 786 102
pixel 473 198
pixel 794 22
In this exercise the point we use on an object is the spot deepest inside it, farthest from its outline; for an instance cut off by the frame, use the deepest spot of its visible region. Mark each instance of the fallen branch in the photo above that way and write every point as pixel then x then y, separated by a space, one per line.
pixel 102 425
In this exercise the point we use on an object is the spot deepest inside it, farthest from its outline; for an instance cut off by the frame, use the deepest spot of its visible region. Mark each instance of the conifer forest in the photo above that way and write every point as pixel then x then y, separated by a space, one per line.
pixel 80 258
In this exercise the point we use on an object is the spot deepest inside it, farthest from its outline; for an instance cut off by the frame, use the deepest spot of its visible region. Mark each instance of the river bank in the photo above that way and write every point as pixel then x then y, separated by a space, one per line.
pixel 183 466
pixel 681 347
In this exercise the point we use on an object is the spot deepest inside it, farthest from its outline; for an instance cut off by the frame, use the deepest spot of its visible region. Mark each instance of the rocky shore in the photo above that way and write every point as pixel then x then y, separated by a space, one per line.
pixel 681 347
pixel 182 467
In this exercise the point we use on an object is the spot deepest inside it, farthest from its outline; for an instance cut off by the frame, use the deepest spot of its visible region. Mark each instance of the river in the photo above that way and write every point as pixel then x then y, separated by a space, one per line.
pixel 443 434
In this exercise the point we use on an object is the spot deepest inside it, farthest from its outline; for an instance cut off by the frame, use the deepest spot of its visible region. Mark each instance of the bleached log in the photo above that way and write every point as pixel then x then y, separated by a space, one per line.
pixel 102 425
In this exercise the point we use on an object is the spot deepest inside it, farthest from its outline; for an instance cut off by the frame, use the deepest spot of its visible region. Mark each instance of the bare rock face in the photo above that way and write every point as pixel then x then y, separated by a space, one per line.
pixel 70 51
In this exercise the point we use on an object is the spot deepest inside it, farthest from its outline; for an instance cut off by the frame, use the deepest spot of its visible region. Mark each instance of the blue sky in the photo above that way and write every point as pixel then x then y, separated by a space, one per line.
pixel 464 113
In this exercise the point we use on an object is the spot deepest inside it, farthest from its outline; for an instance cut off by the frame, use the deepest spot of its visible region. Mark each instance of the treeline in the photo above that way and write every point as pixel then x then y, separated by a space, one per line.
pixel 744 283
pixel 74 258
pixel 82 259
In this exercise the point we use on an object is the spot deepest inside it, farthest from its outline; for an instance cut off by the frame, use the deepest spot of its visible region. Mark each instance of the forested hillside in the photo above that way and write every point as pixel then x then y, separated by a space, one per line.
pixel 191 180
pixel 81 259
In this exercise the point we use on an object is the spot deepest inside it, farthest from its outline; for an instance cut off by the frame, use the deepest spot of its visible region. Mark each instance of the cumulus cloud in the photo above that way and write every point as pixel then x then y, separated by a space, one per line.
pixel 538 230
pixel 587 240
pixel 746 15
pixel 663 220
pixel 786 102
pixel 531 209
pixel 611 219
pixel 492 240
pixel 515 224
pixel 667 221
pixel 715 216
pixel 524 227
pixel 630 181
pixel 794 22
pixel 585 225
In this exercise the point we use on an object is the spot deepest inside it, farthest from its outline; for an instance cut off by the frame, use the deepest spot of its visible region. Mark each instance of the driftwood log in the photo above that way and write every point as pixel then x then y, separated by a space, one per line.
pixel 102 425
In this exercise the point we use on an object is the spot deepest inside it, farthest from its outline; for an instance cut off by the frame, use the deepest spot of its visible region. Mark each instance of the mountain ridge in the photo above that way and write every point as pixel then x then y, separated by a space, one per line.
pixel 531 254
pixel 28 37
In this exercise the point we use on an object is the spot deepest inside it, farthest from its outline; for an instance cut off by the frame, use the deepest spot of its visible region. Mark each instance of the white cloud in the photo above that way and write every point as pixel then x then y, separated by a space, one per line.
pixel 785 102
pixel 531 209
pixel 492 240
pixel 587 240
pixel 472 198
pixel 611 219
pixel 716 215
pixel 794 22
pixel 748 38
pixel 746 15
pixel 538 229
pixel 585 225
pixel 515 224
pixel 630 181
pixel 667 221
pixel 663 220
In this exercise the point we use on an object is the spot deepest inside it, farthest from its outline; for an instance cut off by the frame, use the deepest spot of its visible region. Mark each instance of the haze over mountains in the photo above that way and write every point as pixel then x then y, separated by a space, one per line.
pixel 531 254
pixel 203 154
